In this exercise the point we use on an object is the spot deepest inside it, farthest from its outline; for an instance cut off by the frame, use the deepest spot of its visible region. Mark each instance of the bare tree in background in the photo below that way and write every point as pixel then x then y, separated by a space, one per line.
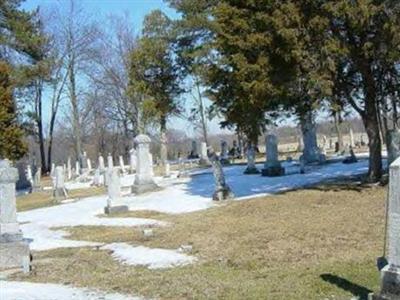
pixel 112 78
pixel 77 35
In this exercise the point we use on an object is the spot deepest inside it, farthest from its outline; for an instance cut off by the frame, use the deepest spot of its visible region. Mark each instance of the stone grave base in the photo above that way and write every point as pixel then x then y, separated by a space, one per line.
pixel 115 209
pixel 223 193
pixel 145 188
pixel 15 254
pixel 273 171
pixel 390 287
pixel 253 170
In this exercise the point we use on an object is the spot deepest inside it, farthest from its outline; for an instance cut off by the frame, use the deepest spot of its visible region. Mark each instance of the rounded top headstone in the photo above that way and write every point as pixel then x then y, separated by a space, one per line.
pixel 142 139
pixel 8 174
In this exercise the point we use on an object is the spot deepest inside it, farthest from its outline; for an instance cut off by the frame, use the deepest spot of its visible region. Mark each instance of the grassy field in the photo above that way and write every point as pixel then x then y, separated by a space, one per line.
pixel 318 243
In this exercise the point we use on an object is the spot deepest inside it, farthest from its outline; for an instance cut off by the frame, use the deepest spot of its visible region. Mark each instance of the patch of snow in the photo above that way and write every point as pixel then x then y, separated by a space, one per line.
pixel 152 258
pixel 37 223
pixel 14 290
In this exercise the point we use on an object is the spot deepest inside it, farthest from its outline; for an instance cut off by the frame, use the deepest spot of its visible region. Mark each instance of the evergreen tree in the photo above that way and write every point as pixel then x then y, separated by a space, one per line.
pixel 11 134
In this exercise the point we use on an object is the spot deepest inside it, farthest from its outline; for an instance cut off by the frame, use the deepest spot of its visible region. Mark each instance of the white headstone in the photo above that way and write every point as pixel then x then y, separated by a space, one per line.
pixel 110 162
pixel 29 176
pixel 132 160
pixel 114 186
pixel 59 187
pixel 77 168
pixel 89 164
pixel 69 169
pixel 121 163
pixel 352 144
pixel 101 163
pixel 144 181
pixel 251 161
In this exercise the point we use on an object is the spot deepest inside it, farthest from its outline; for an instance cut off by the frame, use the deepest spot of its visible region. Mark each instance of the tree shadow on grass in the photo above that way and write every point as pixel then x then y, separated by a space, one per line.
pixel 357 290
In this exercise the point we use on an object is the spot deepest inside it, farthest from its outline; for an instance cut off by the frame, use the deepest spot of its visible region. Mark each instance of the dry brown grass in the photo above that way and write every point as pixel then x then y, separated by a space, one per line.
pixel 275 247
pixel 45 198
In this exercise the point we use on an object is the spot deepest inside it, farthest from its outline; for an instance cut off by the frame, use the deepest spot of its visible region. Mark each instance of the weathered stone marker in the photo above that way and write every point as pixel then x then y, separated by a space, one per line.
pixel 203 154
pixel 393 145
pixel 144 181
pixel 251 158
pixel 101 164
pixel 222 190
pixel 114 192
pixel 121 164
pixel 69 169
pixel 14 250
pixel 224 153
pixel 37 176
pixel 59 185
pixel 132 160
pixel 311 152
pixel 390 274
pixel 272 166
pixel 110 161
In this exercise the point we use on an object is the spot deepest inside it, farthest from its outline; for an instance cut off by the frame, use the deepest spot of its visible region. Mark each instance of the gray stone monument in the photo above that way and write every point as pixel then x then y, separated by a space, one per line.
pixel 121 164
pixel 98 179
pixel 194 153
pixel 29 175
pixel 110 162
pixel 203 154
pixel 37 177
pixel 311 152
pixel 89 164
pixel 77 169
pixel 101 164
pixel 69 169
pixel 393 145
pixel 390 274
pixel 222 190
pixel 272 166
pixel 224 158
pixel 144 181
pixel 14 250
pixel 59 186
pixel 132 160
pixel 251 158
pixel 114 192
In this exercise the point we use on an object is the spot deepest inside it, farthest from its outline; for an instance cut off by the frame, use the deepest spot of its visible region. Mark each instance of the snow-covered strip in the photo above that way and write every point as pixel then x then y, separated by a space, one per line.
pixel 152 258
pixel 15 290
pixel 37 224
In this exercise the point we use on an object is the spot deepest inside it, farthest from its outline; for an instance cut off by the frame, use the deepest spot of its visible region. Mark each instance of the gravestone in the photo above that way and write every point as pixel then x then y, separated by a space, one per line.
pixel 272 166
pixel 132 160
pixel 390 274
pixel 311 152
pixel 393 145
pixel 98 178
pixel 203 154
pixel 222 190
pixel 114 192
pixel 59 186
pixel 37 176
pixel 251 158
pixel 121 164
pixel 193 152
pixel 224 153
pixel 101 164
pixel 167 170
pixel 89 164
pixel 77 169
pixel 144 181
pixel 22 182
pixel 14 250
pixel 351 159
pixel 110 162
pixel 29 175
pixel 69 169
pixel 83 161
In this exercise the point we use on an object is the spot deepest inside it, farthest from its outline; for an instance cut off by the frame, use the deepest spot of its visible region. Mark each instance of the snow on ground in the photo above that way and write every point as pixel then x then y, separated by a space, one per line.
pixel 152 258
pixel 37 223
pixel 14 290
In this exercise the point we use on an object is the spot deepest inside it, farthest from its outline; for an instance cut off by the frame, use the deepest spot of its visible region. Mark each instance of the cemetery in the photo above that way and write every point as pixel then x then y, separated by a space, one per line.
pixel 212 154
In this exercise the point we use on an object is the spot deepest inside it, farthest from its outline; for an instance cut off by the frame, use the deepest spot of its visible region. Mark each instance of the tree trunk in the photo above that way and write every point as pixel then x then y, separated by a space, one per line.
pixel 339 134
pixel 163 140
pixel 75 111
pixel 39 123
pixel 371 123
pixel 202 114
pixel 50 145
